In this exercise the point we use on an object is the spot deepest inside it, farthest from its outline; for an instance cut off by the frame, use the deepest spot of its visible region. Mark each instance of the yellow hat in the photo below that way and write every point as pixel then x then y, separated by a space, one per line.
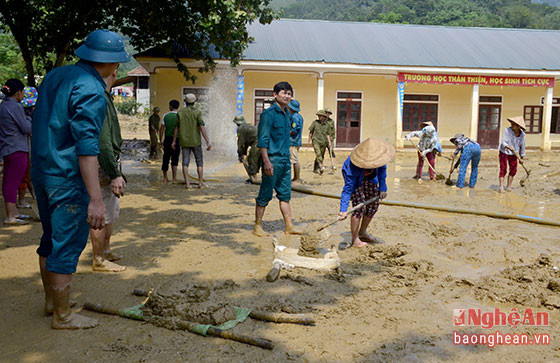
pixel 519 121
pixel 372 153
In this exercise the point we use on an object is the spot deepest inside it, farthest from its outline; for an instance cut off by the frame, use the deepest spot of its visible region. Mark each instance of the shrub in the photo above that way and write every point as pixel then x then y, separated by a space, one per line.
pixel 128 106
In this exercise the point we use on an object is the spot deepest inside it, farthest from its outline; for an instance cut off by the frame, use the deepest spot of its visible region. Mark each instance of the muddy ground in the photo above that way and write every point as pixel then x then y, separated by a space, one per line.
pixel 394 301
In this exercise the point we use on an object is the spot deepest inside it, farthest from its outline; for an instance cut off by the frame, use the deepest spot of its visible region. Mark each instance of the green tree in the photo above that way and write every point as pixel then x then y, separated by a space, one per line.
pixel 11 64
pixel 48 31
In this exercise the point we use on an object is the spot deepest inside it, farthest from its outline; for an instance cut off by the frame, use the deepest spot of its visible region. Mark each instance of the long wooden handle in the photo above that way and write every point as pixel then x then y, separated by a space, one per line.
pixel 227 334
pixel 350 211
pixel 423 157
pixel 303 319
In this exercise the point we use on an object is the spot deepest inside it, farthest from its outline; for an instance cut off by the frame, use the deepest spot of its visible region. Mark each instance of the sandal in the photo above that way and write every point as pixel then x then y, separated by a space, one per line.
pixel 16 222
pixel 23 217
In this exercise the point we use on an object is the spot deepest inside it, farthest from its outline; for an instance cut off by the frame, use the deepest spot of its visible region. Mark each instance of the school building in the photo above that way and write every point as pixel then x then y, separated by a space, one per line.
pixel 382 80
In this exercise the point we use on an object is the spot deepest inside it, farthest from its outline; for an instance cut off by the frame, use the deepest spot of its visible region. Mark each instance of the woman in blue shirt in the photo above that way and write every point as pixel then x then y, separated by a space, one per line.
pixel 365 174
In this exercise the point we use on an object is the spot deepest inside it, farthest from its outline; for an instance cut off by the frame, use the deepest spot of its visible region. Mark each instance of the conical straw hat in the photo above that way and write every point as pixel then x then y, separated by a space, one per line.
pixel 371 154
pixel 519 120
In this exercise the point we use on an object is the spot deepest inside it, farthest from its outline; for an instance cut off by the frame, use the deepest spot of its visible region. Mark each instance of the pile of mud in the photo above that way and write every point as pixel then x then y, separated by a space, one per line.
pixel 308 245
pixel 536 284
pixel 177 299
pixel 544 181
pixel 135 149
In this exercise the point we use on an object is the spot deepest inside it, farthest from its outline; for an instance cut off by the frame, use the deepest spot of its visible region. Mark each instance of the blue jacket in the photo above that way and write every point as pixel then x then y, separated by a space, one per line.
pixel 14 127
pixel 274 133
pixel 66 123
pixel 354 177
pixel 296 127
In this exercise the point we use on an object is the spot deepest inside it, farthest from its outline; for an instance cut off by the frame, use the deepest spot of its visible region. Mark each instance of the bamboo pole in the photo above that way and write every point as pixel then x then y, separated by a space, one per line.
pixel 186 325
pixel 519 217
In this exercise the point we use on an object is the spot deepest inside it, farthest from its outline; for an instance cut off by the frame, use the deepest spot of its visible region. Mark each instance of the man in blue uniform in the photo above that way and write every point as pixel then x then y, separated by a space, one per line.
pixel 296 128
pixel 274 146
pixel 65 144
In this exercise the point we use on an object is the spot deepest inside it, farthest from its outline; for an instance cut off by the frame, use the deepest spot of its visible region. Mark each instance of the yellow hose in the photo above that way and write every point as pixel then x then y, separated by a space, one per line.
pixel 440 208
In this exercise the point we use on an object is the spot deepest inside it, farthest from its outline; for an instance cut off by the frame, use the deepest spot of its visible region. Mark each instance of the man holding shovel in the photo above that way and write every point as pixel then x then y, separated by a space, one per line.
pixel 365 174
pixel 511 149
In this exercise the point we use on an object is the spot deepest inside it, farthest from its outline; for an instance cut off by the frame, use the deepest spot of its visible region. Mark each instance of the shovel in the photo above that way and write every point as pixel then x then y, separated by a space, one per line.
pixel 448 180
pixel 439 176
pixel 350 211
pixel 522 181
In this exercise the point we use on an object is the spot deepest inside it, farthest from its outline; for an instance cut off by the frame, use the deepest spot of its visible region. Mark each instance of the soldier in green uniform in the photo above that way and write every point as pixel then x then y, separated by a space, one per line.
pixel 247 146
pixel 330 121
pixel 319 134
pixel 153 125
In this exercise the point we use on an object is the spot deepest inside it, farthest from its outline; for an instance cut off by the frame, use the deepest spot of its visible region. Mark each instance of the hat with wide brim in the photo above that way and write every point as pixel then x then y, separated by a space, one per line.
pixel 103 46
pixel 457 136
pixel 428 123
pixel 328 110
pixel 372 153
pixel 519 121
pixel 294 105
pixel 239 120
pixel 322 113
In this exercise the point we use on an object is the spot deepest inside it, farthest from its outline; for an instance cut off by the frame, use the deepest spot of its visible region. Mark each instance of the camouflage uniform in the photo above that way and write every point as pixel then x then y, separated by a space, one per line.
pixel 247 145
pixel 321 132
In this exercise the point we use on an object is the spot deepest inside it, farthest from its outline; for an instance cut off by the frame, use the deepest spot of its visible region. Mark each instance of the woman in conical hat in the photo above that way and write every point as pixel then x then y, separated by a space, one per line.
pixel 365 173
pixel 512 147
pixel 429 147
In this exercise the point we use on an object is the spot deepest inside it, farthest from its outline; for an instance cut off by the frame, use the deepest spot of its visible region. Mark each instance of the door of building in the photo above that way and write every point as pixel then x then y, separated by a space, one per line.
pixel 348 118
pixel 489 126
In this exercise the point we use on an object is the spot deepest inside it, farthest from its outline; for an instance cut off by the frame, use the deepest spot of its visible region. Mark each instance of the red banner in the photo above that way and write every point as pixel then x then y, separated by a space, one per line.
pixel 481 80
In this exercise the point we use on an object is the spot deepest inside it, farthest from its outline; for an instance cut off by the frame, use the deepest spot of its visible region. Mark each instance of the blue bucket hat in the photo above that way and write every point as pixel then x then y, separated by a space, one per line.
pixel 294 105
pixel 103 46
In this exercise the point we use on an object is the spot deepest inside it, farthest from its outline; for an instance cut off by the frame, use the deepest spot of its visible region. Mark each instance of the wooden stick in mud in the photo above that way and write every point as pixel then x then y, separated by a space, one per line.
pixel 189 326
pixel 303 319
pixel 227 334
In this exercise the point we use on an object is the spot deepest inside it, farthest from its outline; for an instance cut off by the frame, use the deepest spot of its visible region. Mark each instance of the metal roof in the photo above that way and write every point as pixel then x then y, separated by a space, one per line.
pixel 396 45
pixel 404 45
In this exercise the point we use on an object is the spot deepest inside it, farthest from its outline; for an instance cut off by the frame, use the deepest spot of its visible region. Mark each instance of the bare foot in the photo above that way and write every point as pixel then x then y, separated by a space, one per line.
pixel 188 186
pixel 296 182
pixel 112 256
pixel 73 321
pixel 165 180
pixel 359 244
pixel 102 265
pixel 292 230
pixel 259 231
pixel 173 181
pixel 202 185
pixel 366 237
pixel 501 190
pixel 49 308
